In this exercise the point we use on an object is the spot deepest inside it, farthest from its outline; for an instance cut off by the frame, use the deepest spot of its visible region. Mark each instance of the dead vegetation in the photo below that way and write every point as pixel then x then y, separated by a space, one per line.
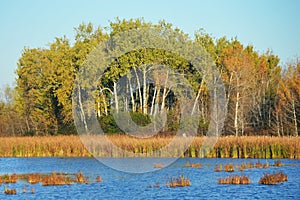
pixel 226 147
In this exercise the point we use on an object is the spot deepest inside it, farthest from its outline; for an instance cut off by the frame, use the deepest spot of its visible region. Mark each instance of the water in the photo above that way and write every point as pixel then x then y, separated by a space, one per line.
pixel 120 185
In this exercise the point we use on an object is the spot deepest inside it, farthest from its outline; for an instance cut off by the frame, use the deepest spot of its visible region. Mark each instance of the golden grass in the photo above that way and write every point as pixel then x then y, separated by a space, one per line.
pixel 126 146
pixel 46 146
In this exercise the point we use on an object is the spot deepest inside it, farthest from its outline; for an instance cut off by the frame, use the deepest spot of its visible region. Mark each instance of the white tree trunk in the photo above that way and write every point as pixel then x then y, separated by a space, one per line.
pixel 131 95
pixel 116 97
pixel 144 92
pixel 153 101
pixel 197 97
pixel 236 126
pixel 98 109
pixel 139 89
pixel 82 111
pixel 277 124
pixel 157 99
pixel 165 93
pixel 295 118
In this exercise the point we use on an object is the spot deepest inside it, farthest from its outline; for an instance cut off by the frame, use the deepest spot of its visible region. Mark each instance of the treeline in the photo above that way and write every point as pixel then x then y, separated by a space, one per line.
pixel 262 98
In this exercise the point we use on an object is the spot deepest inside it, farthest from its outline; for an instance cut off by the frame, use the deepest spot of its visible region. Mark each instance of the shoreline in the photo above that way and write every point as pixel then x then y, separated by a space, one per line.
pixel 61 146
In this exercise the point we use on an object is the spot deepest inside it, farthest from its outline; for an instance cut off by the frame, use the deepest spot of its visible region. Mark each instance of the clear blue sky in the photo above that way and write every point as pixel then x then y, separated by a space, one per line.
pixel 266 24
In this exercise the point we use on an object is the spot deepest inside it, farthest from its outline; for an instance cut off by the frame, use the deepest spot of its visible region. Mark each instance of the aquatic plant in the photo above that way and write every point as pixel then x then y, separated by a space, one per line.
pixel 273 179
pixel 192 165
pixel 98 179
pixel 278 163
pixel 10 191
pixel 266 165
pixel 235 180
pixel 226 147
pixel 55 179
pixel 218 168
pixel 34 178
pixel 258 165
pixel 6 178
pixel 229 168
pixel 80 178
pixel 158 165
pixel 181 181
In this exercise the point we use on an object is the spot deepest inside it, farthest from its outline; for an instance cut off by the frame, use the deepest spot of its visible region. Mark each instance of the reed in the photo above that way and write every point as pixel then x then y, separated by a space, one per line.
pixel 229 168
pixel 158 165
pixel 192 165
pixel 258 165
pixel 6 178
pixel 45 146
pixel 79 178
pixel 127 146
pixel 10 191
pixel 55 180
pixel 278 163
pixel 273 179
pixel 235 180
pixel 98 179
pixel 34 178
pixel 181 181
pixel 218 168
pixel 52 179
pixel 249 165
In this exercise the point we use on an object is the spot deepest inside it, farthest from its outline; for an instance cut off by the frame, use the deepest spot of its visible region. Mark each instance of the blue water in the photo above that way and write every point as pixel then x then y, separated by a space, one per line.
pixel 120 185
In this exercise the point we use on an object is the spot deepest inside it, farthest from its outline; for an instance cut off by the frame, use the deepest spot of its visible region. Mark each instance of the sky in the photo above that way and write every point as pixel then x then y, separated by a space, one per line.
pixel 265 24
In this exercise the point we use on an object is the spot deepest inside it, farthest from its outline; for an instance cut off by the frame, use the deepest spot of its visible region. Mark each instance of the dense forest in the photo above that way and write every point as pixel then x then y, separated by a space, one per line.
pixel 262 97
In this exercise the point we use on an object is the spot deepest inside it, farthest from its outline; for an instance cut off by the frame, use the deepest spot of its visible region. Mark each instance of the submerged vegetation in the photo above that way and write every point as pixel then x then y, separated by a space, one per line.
pixel 226 147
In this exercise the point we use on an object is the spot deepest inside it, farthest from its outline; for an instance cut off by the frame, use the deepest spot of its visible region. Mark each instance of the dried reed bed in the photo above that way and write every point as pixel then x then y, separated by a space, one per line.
pixel 45 146
pixel 127 146
pixel 257 147
pixel 55 179
pixel 52 179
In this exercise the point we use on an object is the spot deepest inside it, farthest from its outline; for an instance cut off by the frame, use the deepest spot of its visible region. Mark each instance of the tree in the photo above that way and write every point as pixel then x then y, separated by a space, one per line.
pixel 239 72
pixel 10 122
pixel 289 100
pixel 143 81
pixel 34 96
